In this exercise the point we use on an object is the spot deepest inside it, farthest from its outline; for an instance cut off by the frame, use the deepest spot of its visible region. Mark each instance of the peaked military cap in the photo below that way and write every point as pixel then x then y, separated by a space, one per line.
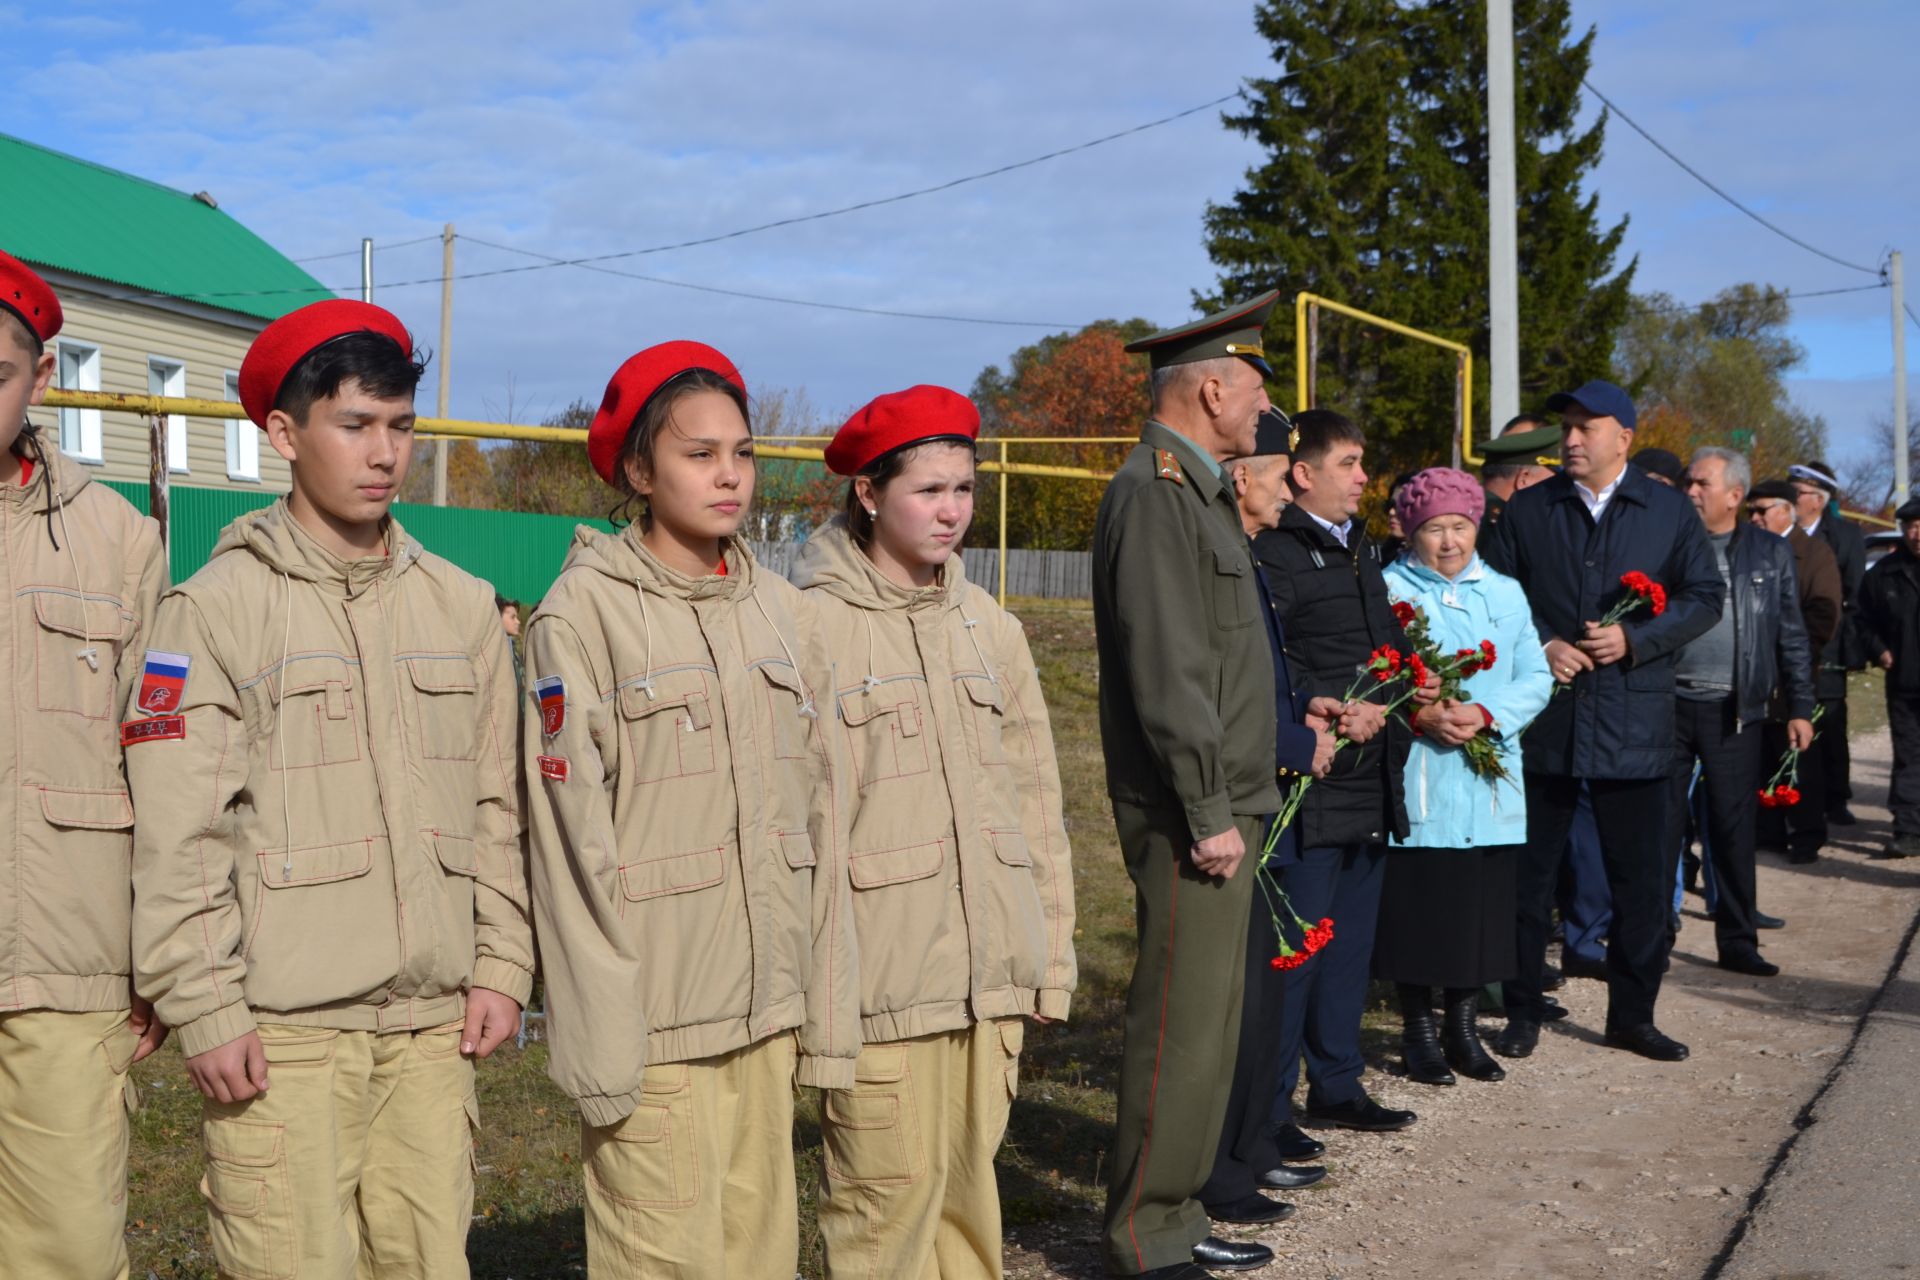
pixel 1237 331
pixel 1274 435
pixel 1539 447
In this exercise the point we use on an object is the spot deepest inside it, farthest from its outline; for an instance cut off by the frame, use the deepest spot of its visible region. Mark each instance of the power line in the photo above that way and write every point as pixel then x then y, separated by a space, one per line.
pixel 1908 308
pixel 1676 308
pixel 1708 183
pixel 354 253
pixel 767 297
pixel 816 216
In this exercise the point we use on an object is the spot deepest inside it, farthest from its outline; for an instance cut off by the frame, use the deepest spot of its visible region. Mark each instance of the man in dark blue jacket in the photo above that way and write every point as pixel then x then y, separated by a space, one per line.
pixel 1249 1160
pixel 1568 541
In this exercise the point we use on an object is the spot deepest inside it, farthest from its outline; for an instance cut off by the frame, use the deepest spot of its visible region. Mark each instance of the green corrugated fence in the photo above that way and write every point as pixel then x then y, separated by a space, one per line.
pixel 518 552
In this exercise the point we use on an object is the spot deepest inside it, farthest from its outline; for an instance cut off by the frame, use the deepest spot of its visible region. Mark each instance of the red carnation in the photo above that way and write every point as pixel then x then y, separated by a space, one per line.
pixel 1403 613
pixel 1788 796
pixel 1486 654
pixel 1767 800
pixel 1658 595
pixel 1419 669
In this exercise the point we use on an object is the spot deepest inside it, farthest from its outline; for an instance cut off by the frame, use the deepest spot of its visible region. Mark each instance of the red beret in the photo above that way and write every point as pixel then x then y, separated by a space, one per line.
pixel 24 293
pixel 634 383
pixel 297 335
pixel 898 419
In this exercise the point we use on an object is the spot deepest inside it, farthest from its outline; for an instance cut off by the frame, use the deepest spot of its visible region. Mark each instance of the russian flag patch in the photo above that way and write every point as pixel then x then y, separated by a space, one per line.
pixel 551 693
pixel 163 681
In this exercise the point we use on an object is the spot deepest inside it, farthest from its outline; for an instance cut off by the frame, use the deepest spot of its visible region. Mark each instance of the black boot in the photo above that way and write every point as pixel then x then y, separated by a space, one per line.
pixel 1419 1041
pixel 1465 1053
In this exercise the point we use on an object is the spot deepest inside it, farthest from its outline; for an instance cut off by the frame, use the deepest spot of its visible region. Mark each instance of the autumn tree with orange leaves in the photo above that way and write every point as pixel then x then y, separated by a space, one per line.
pixel 1081 384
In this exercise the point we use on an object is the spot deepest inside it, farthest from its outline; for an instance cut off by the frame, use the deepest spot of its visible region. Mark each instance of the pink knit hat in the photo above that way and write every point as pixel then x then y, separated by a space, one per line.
pixel 1439 491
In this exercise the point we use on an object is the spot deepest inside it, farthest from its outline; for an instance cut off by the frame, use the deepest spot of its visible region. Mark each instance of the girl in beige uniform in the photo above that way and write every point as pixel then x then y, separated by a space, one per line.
pixel 689 892
pixel 962 886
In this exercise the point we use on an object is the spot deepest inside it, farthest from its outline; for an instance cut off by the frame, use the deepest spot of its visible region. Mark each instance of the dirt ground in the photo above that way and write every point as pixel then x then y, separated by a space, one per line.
pixel 1586 1161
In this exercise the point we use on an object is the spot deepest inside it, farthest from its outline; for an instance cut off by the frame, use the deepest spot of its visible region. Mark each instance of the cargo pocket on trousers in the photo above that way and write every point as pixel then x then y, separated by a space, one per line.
pixel 872 1132
pixel 648 1160
pixel 249 1200
pixel 119 1046
pixel 1013 1034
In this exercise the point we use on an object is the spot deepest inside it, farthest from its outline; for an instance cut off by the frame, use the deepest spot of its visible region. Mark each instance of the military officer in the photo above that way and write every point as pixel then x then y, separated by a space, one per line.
pixel 1187 721
pixel 1515 461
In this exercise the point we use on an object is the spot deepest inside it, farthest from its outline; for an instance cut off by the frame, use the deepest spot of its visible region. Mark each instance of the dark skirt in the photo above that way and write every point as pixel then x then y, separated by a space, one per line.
pixel 1447 917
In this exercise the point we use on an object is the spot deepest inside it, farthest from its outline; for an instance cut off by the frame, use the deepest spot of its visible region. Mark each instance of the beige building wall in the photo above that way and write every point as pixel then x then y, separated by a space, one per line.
pixel 127 335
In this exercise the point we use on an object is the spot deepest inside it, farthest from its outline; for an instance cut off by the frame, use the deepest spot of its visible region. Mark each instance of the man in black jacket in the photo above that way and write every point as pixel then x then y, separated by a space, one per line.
pixel 1724 680
pixel 1890 610
pixel 1568 542
pixel 1324 576
pixel 1815 490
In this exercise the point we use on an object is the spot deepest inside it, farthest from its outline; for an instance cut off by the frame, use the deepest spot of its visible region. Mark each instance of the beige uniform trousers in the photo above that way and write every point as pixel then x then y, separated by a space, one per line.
pixel 357 1162
pixel 64 1099
pixel 697 1183
pixel 909 1192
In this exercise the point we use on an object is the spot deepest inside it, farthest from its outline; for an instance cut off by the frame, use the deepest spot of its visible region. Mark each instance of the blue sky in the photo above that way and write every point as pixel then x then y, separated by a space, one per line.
pixel 576 127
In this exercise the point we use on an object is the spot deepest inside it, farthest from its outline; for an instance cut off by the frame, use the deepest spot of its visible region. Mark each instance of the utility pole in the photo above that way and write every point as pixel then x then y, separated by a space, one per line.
pixel 1503 269
pixel 1896 276
pixel 446 344
pixel 366 270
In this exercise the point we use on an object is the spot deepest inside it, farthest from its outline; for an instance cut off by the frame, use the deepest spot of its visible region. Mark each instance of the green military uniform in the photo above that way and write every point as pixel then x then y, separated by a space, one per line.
pixel 1187 722
pixel 1539 447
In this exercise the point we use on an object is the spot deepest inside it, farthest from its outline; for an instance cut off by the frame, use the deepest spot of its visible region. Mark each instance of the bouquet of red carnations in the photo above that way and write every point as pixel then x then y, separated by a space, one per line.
pixel 1641 590
pixel 1782 791
pixel 1482 756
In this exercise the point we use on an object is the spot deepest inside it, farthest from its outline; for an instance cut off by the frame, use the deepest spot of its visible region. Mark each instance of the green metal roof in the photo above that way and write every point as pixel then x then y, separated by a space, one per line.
pixel 76 216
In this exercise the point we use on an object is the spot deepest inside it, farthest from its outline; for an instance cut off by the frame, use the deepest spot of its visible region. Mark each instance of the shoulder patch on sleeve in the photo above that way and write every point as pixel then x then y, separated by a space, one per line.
pixel 551 693
pixel 163 681
pixel 1167 467
pixel 152 729
pixel 553 768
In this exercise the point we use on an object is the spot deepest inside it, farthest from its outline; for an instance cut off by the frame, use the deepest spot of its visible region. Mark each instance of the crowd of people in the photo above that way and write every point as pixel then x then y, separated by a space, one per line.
pixel 1614 648
pixel 313 815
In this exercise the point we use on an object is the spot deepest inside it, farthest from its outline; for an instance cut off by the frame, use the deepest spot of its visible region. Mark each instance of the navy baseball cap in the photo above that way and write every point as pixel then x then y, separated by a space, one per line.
pixel 1601 399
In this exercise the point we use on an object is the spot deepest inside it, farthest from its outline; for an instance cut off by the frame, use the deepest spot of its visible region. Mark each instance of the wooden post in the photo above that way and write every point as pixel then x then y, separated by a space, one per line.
pixel 157 478
pixel 1313 355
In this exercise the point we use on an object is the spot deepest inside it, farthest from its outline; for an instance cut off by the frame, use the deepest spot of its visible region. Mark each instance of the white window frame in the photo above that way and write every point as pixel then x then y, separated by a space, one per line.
pixel 243 439
pixel 80 436
pixel 167 376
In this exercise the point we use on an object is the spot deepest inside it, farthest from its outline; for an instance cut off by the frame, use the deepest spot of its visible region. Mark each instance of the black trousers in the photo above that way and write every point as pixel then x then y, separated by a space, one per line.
pixel 1730 774
pixel 1640 850
pixel 1836 757
pixel 1247 1148
pixel 1903 788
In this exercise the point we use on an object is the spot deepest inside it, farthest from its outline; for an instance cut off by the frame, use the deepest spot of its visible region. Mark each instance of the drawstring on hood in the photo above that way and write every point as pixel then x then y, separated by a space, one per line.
pixel 279 691
pixel 832 561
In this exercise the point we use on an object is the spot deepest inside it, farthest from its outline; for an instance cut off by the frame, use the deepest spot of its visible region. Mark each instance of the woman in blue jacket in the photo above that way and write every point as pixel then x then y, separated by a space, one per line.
pixel 1447 905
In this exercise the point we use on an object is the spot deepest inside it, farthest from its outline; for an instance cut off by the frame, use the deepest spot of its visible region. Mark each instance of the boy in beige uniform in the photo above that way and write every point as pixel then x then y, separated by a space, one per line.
pixel 331 894
pixel 82 570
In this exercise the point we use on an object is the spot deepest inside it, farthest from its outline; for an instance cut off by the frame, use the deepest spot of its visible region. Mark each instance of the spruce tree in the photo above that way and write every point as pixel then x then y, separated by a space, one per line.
pixel 1372 191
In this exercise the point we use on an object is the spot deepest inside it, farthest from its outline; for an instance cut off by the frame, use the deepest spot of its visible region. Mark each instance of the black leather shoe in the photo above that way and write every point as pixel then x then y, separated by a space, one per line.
pixel 1750 963
pixel 1178 1271
pixel 1362 1113
pixel 1216 1254
pixel 1802 857
pixel 1285 1179
pixel 1554 1010
pixel 1518 1038
pixel 1761 920
pixel 1251 1211
pixel 1295 1146
pixel 1648 1041
pixel 1578 966
pixel 1551 979
pixel 1842 817
pixel 1901 847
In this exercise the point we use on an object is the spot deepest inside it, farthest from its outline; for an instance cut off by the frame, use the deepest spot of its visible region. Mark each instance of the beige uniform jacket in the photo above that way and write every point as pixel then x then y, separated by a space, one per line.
pixel 957 850
pixel 330 821
pixel 689 894
pixel 82 576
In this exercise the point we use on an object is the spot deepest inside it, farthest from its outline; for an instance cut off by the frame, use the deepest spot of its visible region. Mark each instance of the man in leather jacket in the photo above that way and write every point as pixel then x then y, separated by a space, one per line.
pixel 1724 680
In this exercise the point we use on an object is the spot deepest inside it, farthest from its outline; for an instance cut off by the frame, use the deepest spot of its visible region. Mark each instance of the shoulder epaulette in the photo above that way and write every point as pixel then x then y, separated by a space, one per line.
pixel 1167 467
